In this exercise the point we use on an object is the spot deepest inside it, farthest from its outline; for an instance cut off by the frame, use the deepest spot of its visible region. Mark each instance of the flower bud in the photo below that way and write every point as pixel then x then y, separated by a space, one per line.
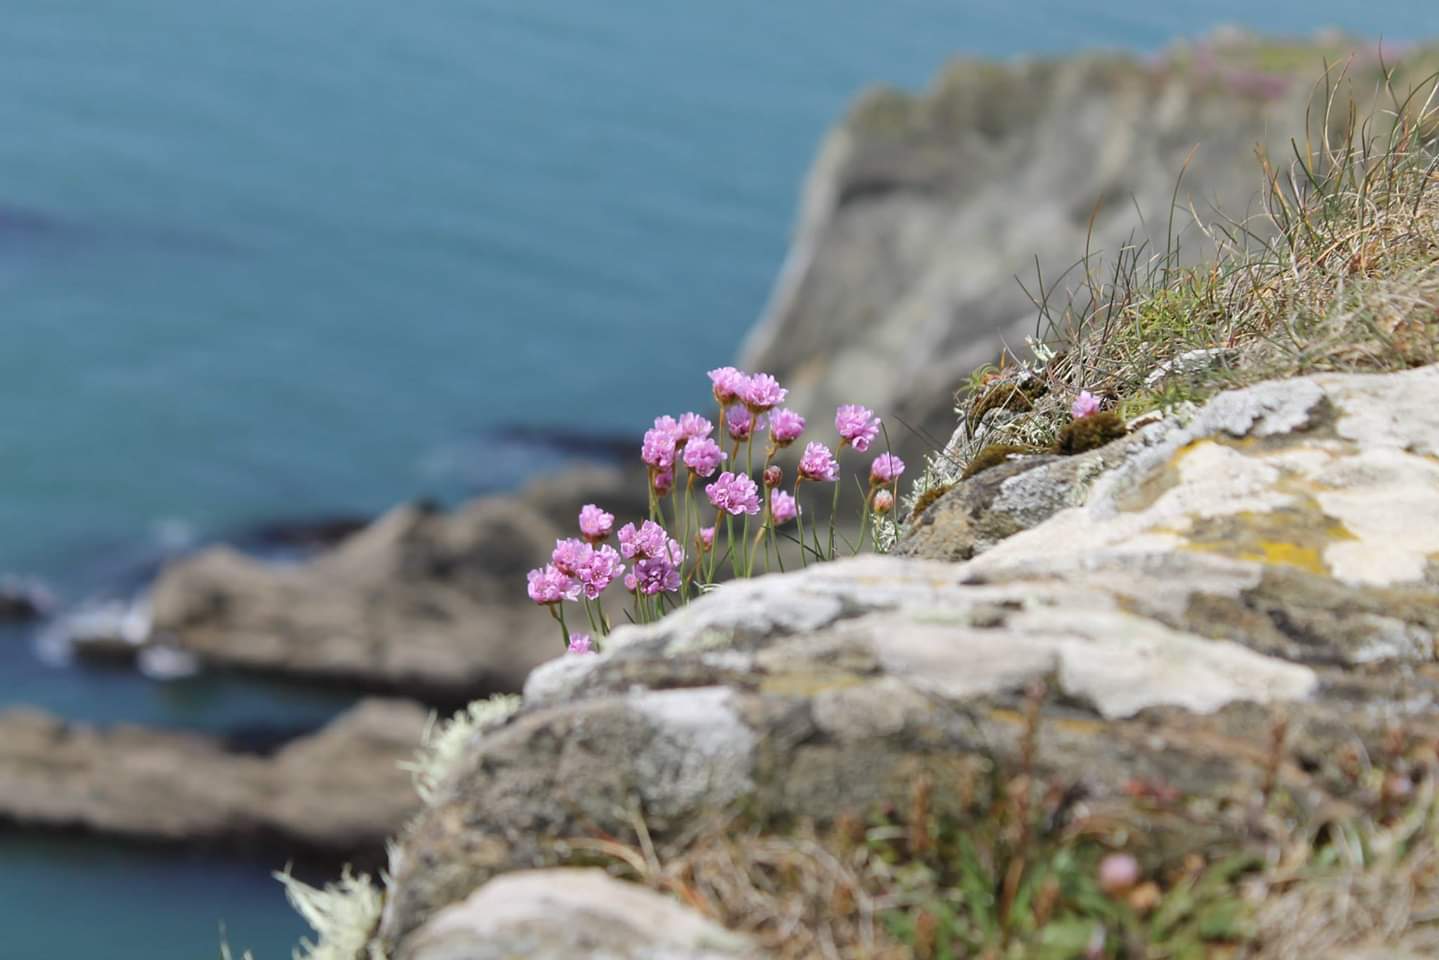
pixel 773 475
pixel 883 501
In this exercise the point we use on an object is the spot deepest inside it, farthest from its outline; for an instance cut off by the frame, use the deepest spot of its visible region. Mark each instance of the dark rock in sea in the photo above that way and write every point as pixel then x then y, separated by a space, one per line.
pixel 336 792
pixel 23 599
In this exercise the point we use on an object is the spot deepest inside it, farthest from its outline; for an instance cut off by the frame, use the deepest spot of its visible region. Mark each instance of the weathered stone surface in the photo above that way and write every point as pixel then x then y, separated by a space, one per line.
pixel 561 914
pixel 1177 611
pixel 338 791
pixel 921 210
pixel 420 601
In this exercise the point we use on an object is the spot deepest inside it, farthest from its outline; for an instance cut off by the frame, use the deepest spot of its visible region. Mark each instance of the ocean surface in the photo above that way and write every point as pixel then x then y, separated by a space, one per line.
pixel 284 258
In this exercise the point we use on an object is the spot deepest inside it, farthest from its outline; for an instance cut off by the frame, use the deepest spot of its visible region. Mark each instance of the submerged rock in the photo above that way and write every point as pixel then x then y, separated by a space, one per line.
pixel 1244 602
pixel 339 791
pixel 23 599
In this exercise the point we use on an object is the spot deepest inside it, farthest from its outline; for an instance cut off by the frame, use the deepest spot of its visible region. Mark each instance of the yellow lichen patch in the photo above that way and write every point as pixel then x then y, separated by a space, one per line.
pixel 1294 536
pixel 1075 725
pixel 808 683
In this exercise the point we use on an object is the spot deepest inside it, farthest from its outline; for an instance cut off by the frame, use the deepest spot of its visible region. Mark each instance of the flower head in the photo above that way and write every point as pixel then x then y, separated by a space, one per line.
pixel 729 384
pixel 818 463
pixel 886 468
pixel 692 426
pixel 658 449
pixel 1118 872
pixel 785 426
pixel 599 568
pixel 664 480
pixel 548 585
pixel 773 476
pixel 595 524
pixel 782 507
pixel 763 391
pixel 1085 405
pixel 569 555
pixel 741 422
pixel 705 539
pixel 703 456
pixel 857 426
pixel 734 493
pixel 652 576
pixel 646 540
pixel 669 425
pixel 883 501
pixel 580 644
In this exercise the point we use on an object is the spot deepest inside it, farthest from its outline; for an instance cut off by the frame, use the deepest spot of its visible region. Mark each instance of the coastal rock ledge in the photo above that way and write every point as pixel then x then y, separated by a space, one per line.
pixel 1241 600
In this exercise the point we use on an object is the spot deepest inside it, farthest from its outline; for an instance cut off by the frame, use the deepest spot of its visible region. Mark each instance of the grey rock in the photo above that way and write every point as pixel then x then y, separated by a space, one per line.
pixel 1215 573
pixel 565 913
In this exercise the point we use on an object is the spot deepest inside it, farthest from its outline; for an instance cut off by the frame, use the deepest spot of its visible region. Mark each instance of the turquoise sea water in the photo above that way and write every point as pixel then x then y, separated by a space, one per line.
pixel 287 257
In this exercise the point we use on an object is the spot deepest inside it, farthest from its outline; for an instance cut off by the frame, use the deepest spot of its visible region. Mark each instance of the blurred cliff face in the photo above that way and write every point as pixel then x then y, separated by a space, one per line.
pixel 929 224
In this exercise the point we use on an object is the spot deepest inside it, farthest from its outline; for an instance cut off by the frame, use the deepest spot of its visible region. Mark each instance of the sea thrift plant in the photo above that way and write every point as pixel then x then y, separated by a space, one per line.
pixel 724 495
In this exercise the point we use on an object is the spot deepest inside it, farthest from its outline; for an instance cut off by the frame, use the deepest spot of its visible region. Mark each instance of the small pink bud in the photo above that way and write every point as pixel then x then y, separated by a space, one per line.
pixel 772 477
pixel 1118 872
pixel 1085 405
pixel 580 643
pixel 705 539
pixel 883 501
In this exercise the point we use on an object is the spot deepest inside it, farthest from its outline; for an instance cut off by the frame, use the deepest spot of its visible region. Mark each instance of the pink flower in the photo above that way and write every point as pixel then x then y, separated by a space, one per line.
pixel 763 391
pixel 703 456
pixel 785 426
pixel 883 501
pixel 658 449
pixel 648 540
pixel 740 422
pixel 652 576
pixel 885 469
pixel 1085 405
pixel 598 570
pixel 581 644
pixel 1118 872
pixel 857 426
pixel 664 480
pixel 706 538
pixel 548 586
pixel 569 555
pixel 773 476
pixel 692 426
pixel 735 493
pixel 782 507
pixel 729 384
pixel 595 524
pixel 669 425
pixel 818 463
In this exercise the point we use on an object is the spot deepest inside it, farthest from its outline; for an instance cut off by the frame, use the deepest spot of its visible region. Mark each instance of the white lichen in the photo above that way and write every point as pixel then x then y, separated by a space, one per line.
pixel 443 744
pixel 343 915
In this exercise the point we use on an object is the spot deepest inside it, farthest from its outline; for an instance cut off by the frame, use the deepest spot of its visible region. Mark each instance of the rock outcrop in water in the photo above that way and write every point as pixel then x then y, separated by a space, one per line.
pixel 922 212
pixel 422 601
pixel 338 792
pixel 1224 605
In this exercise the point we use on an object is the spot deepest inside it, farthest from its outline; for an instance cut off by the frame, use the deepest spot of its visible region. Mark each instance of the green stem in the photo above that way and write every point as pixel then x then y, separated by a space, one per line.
pixel 799 521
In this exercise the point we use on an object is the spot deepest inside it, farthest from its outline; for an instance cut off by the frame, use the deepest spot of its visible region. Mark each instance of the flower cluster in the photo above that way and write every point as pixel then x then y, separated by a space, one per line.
pixel 738 519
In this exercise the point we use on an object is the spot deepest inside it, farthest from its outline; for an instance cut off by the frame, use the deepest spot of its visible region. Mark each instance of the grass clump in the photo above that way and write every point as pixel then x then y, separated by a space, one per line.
pixel 444 743
pixel 1338 273
pixel 344 916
